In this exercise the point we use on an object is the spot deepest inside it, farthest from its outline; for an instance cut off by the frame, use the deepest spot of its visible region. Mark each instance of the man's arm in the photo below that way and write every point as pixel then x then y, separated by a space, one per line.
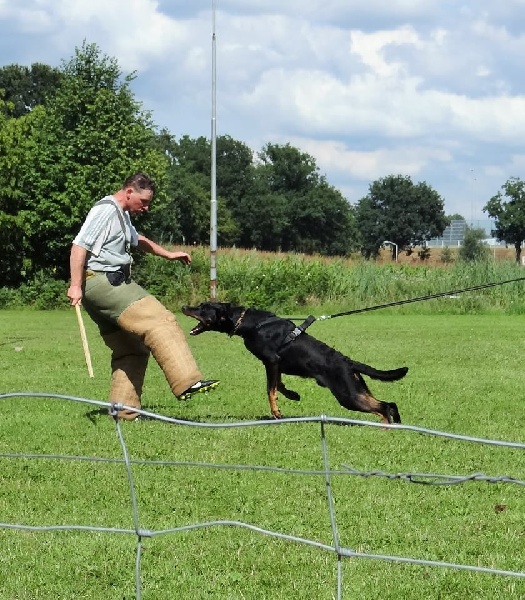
pixel 77 260
pixel 147 245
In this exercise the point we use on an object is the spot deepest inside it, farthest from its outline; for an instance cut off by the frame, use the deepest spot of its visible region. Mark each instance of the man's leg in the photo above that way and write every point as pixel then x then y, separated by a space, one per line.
pixel 161 333
pixel 129 359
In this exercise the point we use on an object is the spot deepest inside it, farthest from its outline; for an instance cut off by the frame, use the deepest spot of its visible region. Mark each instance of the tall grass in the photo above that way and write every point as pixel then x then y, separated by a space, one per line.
pixel 286 282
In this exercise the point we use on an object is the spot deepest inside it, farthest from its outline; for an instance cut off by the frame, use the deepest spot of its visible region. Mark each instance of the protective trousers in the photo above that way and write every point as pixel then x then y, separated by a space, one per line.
pixel 129 359
pixel 159 333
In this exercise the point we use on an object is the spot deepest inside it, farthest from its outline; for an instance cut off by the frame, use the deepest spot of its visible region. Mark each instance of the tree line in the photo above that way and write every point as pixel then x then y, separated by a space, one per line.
pixel 70 135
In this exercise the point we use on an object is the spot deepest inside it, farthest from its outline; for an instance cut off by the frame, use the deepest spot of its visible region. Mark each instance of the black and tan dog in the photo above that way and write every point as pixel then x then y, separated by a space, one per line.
pixel 284 348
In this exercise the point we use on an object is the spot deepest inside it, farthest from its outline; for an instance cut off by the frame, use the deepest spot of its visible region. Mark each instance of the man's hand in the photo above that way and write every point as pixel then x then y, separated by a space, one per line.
pixel 183 257
pixel 147 245
pixel 77 260
pixel 74 293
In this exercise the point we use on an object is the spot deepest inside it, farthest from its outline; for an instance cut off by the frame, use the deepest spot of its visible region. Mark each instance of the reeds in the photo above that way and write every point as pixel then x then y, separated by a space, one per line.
pixel 284 282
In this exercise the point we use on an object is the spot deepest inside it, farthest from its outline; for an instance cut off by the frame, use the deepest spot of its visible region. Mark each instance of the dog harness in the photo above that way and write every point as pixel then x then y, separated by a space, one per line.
pixel 297 331
pixel 290 337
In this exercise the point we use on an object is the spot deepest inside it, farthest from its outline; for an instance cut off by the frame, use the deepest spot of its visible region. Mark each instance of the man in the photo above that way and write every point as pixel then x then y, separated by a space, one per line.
pixel 132 322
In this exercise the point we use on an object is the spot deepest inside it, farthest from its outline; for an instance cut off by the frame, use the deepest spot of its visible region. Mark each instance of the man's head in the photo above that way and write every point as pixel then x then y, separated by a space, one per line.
pixel 138 190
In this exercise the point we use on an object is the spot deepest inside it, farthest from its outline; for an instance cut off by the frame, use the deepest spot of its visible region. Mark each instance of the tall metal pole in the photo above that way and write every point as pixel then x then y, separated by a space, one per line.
pixel 213 211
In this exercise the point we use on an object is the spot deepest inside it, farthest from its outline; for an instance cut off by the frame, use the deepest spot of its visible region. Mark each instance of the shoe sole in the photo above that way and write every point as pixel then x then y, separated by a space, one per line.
pixel 204 389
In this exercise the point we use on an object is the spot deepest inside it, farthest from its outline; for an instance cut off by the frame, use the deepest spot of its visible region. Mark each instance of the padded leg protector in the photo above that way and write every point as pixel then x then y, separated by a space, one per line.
pixel 129 359
pixel 161 333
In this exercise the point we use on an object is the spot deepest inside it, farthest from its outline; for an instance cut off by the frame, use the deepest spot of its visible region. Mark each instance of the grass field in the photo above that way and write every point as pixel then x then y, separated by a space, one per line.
pixel 466 377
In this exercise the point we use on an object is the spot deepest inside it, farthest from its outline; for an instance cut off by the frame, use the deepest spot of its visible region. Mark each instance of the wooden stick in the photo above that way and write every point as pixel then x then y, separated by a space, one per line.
pixel 84 340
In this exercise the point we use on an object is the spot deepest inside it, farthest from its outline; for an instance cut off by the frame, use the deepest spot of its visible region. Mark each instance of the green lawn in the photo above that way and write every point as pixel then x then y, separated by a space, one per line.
pixel 465 377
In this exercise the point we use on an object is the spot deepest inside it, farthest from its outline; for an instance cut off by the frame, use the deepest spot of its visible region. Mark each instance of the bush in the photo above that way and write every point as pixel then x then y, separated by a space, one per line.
pixel 473 249
pixel 10 298
pixel 282 283
pixel 446 255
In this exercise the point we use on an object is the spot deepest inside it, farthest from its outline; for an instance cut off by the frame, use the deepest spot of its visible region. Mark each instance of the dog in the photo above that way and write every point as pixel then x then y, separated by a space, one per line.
pixel 284 348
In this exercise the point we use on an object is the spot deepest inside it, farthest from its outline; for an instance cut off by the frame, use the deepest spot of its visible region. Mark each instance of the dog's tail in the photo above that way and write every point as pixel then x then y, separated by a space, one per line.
pixel 392 375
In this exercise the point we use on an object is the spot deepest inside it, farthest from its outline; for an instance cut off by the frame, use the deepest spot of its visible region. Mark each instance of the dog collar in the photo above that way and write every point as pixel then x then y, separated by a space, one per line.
pixel 238 323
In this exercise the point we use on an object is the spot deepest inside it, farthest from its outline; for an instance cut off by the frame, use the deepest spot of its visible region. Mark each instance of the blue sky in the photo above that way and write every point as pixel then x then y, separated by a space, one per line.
pixel 432 89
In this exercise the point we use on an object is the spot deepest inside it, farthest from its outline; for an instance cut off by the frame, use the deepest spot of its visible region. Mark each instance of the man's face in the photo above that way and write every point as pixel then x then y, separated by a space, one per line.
pixel 138 200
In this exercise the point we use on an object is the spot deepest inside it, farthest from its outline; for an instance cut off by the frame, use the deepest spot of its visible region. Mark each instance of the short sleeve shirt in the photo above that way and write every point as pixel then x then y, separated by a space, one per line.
pixel 103 237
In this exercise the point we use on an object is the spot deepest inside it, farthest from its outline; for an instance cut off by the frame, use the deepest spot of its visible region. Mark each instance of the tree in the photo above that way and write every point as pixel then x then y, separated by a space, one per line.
pixel 279 202
pixel 28 87
pixel 15 137
pixel 186 215
pixel 321 221
pixel 287 169
pixel 233 179
pixel 89 136
pixel 264 223
pixel 234 170
pixel 509 214
pixel 473 248
pixel 446 255
pixel 398 210
pixel 310 215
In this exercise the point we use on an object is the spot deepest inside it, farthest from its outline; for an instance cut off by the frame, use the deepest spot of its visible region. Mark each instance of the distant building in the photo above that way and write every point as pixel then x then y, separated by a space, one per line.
pixel 454 233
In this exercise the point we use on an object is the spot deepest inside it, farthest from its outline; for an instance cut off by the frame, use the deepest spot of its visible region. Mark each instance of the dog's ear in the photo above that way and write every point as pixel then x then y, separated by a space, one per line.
pixel 224 311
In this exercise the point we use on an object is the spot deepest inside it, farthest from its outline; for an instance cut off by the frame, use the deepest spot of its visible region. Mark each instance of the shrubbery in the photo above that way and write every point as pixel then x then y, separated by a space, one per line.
pixel 286 282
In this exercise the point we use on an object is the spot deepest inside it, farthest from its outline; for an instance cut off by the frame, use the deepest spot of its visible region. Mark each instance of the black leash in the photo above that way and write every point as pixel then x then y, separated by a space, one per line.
pixel 400 302
pixel 311 319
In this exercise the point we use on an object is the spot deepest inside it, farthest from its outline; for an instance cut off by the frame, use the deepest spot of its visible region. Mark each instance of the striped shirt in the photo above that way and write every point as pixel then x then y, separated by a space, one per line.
pixel 102 236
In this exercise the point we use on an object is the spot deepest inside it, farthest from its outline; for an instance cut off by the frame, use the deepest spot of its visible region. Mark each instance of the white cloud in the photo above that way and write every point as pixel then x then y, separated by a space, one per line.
pixel 135 31
pixel 431 89
pixel 338 158
pixel 369 47
pixel 31 19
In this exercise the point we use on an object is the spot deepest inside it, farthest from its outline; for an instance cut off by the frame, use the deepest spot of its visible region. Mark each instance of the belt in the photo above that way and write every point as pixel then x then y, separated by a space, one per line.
pixel 122 274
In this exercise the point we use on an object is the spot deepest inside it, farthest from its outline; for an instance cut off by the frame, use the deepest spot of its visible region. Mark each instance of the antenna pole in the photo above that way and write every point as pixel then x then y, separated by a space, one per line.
pixel 213 210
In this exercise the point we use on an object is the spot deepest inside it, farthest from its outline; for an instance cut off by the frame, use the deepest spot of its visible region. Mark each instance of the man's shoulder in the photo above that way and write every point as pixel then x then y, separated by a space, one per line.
pixel 105 206
pixel 106 201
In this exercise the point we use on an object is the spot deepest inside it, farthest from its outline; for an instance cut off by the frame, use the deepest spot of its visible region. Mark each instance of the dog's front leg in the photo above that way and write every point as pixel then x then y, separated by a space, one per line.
pixel 272 383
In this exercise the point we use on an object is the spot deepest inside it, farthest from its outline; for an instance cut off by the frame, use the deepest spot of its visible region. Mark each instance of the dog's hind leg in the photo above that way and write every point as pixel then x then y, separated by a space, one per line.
pixel 290 394
pixel 386 411
pixel 354 394
pixel 273 377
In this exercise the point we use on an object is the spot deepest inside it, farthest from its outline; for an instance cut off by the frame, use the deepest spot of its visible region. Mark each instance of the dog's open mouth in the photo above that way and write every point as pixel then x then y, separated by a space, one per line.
pixel 199 328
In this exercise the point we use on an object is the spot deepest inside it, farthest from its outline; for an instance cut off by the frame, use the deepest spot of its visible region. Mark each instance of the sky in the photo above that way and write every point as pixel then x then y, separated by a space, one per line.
pixel 432 89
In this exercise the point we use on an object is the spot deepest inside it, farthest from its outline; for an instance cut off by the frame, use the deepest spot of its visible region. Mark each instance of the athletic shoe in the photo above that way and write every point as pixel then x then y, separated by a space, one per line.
pixel 200 386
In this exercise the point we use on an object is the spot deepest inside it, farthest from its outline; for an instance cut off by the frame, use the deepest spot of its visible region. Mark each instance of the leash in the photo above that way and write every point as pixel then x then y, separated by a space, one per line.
pixel 297 331
pixel 408 301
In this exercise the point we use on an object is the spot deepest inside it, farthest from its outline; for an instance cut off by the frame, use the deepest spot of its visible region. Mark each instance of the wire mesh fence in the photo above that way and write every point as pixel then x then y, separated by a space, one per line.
pixel 327 473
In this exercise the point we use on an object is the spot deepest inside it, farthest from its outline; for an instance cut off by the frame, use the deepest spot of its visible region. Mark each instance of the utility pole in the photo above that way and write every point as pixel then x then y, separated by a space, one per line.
pixel 213 211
